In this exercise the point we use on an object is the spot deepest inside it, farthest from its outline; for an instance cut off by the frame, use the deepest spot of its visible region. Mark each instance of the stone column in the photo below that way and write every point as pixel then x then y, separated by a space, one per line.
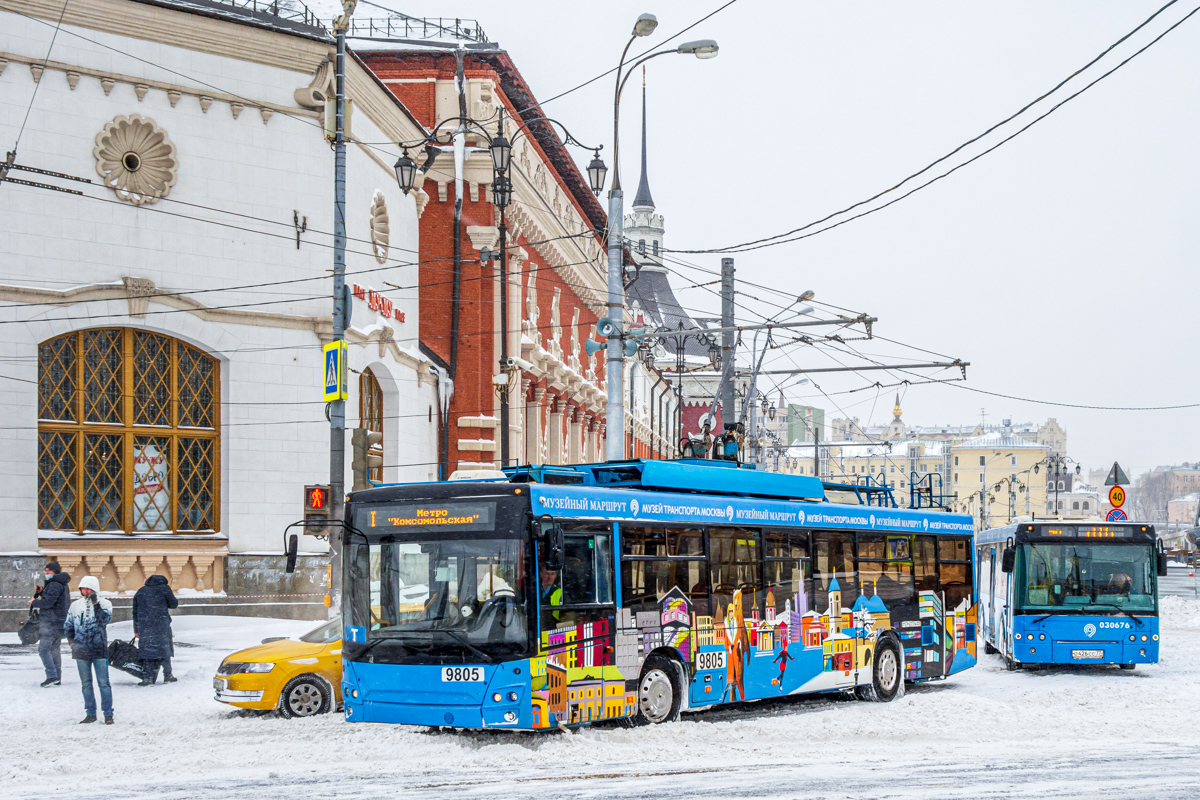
pixel 554 433
pixel 536 453
pixel 575 437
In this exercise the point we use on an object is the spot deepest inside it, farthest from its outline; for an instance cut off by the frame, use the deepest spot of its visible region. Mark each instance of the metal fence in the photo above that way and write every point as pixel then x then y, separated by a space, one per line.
pixel 401 26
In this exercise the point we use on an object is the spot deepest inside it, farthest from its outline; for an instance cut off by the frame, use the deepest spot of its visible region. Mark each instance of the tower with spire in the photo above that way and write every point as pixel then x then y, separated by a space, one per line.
pixel 895 430
pixel 643 227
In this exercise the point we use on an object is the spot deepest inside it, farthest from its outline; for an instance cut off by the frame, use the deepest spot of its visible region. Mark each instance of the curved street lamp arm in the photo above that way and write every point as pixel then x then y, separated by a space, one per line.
pixel 525 130
pixel 635 65
pixel 432 138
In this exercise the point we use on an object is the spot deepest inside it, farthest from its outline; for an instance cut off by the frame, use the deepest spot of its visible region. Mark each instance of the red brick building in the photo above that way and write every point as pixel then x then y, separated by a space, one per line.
pixel 556 268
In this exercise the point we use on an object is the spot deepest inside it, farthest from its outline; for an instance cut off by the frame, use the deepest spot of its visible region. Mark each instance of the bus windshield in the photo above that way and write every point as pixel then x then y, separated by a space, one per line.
pixel 1087 576
pixel 446 599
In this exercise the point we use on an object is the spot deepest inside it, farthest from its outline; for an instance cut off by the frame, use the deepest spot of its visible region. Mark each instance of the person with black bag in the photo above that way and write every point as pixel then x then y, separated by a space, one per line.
pixel 51 604
pixel 152 629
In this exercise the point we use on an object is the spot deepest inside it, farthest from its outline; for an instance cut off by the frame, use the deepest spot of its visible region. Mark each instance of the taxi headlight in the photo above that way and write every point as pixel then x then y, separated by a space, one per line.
pixel 258 666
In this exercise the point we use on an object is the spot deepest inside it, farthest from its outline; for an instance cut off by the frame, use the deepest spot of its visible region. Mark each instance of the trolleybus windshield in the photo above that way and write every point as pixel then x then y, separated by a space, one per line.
pixel 438 583
pixel 1075 576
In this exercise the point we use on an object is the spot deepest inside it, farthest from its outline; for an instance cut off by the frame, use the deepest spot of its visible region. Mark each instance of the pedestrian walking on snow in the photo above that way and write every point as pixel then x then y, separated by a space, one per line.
pixel 52 604
pixel 86 629
pixel 152 629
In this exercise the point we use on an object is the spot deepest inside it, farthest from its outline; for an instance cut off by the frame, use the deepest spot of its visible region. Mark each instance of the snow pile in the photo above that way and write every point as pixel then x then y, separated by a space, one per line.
pixel 1043 730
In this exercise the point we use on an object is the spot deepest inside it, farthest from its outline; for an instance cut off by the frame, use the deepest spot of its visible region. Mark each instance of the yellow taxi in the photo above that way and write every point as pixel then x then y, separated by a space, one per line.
pixel 300 677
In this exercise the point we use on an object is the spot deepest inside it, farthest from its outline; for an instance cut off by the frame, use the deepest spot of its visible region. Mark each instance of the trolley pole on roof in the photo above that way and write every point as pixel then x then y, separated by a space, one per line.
pixel 728 340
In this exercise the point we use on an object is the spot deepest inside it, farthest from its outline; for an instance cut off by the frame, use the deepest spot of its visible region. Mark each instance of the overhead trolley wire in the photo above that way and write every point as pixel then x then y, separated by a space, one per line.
pixel 790 236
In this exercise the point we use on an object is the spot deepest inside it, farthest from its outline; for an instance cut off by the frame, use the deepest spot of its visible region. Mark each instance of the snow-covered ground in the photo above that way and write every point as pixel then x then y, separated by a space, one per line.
pixel 988 733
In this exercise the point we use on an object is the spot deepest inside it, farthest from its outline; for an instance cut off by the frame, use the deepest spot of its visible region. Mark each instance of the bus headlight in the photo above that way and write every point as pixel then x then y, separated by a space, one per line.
pixel 497 697
pixel 512 697
pixel 1042 636
pixel 1132 638
pixel 354 694
pixel 1155 637
pixel 1143 637
pixel 510 716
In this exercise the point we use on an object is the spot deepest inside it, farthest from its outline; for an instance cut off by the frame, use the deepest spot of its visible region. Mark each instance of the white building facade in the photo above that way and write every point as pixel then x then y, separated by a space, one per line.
pixel 162 332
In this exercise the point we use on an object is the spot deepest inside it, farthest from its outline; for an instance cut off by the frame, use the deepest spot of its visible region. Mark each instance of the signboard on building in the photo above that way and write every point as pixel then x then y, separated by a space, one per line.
pixel 378 303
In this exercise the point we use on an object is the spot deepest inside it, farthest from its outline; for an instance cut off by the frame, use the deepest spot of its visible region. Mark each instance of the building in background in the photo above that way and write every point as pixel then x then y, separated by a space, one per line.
pixel 165 365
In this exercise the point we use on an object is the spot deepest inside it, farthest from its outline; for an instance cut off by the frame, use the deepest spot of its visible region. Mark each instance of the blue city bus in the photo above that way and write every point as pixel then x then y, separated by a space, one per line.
pixel 636 590
pixel 1070 592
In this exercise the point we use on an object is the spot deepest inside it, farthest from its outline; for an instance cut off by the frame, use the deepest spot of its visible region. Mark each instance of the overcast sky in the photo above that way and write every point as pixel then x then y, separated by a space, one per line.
pixel 1061 265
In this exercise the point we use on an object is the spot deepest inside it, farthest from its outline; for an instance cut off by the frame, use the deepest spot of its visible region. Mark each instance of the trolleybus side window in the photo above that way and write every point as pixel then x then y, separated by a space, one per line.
pixel 925 563
pixel 833 554
pixel 885 568
pixel 734 564
pixel 655 560
pixel 788 577
pixel 954 568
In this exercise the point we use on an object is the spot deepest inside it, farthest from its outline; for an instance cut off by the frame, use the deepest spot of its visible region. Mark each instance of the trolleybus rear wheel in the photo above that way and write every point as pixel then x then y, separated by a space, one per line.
pixel 659 692
pixel 886 679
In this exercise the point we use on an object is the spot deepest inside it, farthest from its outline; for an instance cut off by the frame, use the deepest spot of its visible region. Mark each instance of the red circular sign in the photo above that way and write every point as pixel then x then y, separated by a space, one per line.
pixel 1116 496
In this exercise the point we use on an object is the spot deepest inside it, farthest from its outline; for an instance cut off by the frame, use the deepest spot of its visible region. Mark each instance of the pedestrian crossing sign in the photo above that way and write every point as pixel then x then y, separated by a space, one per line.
pixel 335 371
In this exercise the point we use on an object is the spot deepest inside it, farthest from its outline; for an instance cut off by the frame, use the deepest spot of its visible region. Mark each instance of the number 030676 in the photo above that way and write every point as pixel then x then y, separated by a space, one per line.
pixel 462 674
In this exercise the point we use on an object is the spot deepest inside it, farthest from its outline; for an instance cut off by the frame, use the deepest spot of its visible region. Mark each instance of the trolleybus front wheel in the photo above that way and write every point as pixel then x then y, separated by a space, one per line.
pixel 886 680
pixel 659 692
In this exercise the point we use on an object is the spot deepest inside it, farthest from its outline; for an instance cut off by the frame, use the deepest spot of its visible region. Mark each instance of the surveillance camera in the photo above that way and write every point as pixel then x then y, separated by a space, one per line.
pixel 512 362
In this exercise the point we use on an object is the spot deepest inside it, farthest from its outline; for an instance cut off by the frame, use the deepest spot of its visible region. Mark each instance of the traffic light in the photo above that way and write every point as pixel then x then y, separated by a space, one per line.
pixel 316 509
pixel 363 461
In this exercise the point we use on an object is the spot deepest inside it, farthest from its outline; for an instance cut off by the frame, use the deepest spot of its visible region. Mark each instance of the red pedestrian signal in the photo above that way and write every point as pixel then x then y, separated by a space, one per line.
pixel 316 509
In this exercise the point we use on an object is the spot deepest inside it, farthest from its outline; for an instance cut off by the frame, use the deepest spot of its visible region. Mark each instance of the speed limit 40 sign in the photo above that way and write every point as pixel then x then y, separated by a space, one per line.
pixel 1116 497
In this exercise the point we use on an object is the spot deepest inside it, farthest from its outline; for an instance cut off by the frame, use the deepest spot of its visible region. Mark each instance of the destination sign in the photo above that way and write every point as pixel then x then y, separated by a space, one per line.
pixel 1091 531
pixel 438 516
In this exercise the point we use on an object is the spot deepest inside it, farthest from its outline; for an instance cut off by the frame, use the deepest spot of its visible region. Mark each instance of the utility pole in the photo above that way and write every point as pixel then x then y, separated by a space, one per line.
pixel 337 408
pixel 728 340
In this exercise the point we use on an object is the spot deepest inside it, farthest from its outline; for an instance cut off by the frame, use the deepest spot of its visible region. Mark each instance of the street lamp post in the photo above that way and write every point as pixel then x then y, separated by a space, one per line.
pixel 614 367
pixel 1056 467
pixel 679 339
pixel 500 149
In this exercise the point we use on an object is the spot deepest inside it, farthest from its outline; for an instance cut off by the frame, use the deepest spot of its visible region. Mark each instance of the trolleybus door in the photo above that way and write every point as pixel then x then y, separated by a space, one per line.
pixel 835 588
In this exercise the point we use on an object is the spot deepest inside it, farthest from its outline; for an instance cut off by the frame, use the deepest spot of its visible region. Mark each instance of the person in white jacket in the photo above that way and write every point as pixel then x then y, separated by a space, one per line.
pixel 86 629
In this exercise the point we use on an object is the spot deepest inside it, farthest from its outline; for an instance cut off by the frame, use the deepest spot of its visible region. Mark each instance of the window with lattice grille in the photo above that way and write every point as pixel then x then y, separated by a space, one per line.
pixel 127 434
pixel 370 414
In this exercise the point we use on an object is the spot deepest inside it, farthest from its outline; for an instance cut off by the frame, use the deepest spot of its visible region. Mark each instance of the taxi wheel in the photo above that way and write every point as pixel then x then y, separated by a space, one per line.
pixel 304 696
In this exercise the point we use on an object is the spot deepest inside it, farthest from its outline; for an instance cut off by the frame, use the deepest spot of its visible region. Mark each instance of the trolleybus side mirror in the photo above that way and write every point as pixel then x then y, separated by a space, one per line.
pixel 1162 564
pixel 555 544
pixel 293 545
pixel 1008 560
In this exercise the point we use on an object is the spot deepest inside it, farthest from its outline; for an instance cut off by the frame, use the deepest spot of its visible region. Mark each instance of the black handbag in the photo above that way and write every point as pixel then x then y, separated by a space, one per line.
pixel 124 656
pixel 31 631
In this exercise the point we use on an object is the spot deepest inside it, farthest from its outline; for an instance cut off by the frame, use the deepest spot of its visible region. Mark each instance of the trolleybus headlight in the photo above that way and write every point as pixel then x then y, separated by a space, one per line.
pixel 512 697
pixel 1143 637
pixel 1042 637
pixel 1143 652
pixel 497 697
pixel 354 694
pixel 1033 649
pixel 1132 638
pixel 510 716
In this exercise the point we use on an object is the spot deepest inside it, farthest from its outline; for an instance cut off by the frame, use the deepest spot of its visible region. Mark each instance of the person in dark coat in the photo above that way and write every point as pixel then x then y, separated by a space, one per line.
pixel 52 604
pixel 152 629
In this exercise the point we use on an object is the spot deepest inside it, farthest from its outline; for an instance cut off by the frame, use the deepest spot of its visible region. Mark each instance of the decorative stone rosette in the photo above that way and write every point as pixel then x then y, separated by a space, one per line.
pixel 136 159
pixel 379 227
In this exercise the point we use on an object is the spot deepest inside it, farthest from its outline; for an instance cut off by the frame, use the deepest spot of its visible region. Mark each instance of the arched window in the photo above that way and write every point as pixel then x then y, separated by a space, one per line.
pixel 370 414
pixel 1086 505
pixel 1075 506
pixel 127 433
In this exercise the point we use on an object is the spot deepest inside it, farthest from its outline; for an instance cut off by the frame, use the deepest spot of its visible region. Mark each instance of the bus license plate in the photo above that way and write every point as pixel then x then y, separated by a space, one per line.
pixel 1087 654
pixel 462 674
pixel 712 659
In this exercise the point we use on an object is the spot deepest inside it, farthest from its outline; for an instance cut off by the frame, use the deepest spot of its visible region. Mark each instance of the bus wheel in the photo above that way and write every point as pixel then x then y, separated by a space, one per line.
pixel 1012 666
pixel 886 679
pixel 659 692
pixel 987 648
pixel 1127 666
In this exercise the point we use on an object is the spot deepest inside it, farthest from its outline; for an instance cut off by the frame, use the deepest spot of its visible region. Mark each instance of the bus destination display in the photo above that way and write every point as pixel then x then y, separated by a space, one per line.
pixel 440 516
pixel 1091 531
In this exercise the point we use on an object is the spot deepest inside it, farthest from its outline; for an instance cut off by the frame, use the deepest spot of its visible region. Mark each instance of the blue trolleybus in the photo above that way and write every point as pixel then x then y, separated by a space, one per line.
pixel 635 590
pixel 1070 592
